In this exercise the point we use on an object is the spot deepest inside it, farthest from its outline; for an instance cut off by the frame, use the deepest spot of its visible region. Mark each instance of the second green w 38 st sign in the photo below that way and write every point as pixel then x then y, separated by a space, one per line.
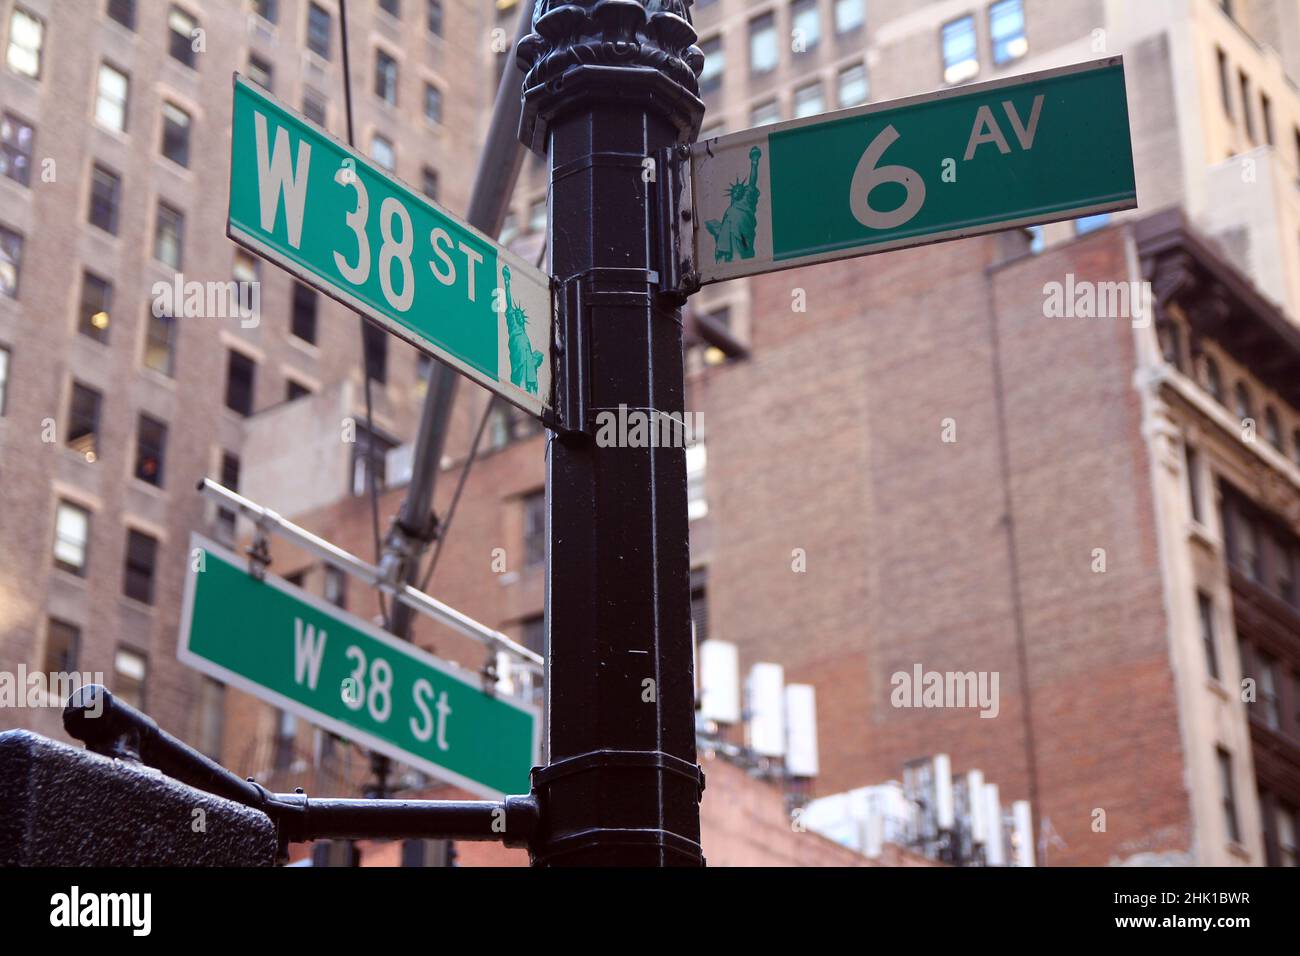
pixel 330 216
pixel 1027 149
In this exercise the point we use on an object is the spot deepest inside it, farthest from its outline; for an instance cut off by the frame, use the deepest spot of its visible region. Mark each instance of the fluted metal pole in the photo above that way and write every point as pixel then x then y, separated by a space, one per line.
pixel 610 84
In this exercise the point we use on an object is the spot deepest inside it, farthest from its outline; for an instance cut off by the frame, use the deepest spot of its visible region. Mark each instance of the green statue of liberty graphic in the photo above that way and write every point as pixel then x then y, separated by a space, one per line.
pixel 524 361
pixel 734 234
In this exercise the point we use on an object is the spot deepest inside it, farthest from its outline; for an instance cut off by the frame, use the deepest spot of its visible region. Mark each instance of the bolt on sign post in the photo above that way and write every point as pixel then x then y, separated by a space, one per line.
pixel 310 658
pixel 338 222
pixel 983 158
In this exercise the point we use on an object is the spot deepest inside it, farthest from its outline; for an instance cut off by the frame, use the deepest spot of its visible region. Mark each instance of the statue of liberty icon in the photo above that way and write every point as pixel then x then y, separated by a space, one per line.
pixel 524 361
pixel 734 234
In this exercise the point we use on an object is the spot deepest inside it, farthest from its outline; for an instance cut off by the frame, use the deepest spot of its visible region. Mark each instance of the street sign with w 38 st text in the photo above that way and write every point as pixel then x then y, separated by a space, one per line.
pixel 338 222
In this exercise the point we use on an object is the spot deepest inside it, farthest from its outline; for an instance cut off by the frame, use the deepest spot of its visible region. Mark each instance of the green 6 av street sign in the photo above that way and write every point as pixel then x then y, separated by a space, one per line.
pixel 327 214
pixel 1028 149
pixel 305 656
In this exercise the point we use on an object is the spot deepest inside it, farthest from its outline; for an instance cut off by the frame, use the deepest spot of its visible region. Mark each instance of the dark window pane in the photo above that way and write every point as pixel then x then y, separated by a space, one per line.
pixel 432 103
pixel 96 303
pixel 375 341
pixel 62 644
pixel 229 478
pixel 176 134
pixel 318 31
pixel 313 107
pixel 430 184
pixel 303 321
pixel 393 7
pixel 260 72
pixel 180 42
pixel 11 257
pixel 16 141
pixel 433 20
pixel 268 10
pixel 295 390
pixel 83 421
pixel 160 344
pixel 123 11
pixel 240 372
pixel 105 196
pixel 141 555
pixel 534 529
pixel 385 77
pixel 150 450
pixel 168 236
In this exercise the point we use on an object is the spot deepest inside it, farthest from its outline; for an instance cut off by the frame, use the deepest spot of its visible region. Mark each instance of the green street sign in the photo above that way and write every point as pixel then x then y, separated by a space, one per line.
pixel 324 212
pixel 1014 152
pixel 310 658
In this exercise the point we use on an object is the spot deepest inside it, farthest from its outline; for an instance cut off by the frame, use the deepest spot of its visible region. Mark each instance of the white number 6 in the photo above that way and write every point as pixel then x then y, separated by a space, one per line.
pixel 867 177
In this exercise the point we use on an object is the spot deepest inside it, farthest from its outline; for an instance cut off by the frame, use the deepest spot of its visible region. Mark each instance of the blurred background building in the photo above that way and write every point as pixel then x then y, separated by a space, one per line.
pixel 921 467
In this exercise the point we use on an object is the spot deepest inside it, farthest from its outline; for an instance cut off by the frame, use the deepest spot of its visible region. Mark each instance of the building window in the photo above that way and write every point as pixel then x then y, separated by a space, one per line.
pixel 537 216
pixel 1242 538
pixel 714 61
pixel 1272 428
pixel 286 735
pixel 212 717
pixel 141 557
pixel 240 373
pixel 764 49
pixel 699 605
pixel 313 107
pixel 180 41
pixel 319 30
pixel 1213 380
pixel 391 7
pixel 1193 465
pixel 374 342
pixel 1225 85
pixel 432 103
pixel 534 510
pixel 808 100
pixel 1283 562
pixel 849 15
pixel 26 37
pixel 105 197
pixel 176 134
pixel 150 450
pixel 71 538
pixel 245 267
pixel 1266 114
pixel 111 98
pixel 268 10
pixel 336 586
pixel 4 378
pixel 1171 343
pixel 429 183
pixel 1007 31
pixel 62 646
pixel 1285 826
pixel 532 633
pixel 385 77
pixel 261 72
pixel 130 670
pixel 169 230
pixel 765 113
pixel 229 478
pixel 509 228
pixel 1229 799
pixel 697 505
pixel 960 59
pixel 83 421
pixel 361 462
pixel 16 140
pixel 294 390
pixel 1205 608
pixel 123 11
pixel 303 321
pixel 1244 406
pixel 1247 114
pixel 1295 434
pixel 853 90
pixel 11 257
pixel 806 25
pixel 433 17
pixel 508 424
pixel 96 301
pixel 1268 697
pixel 381 151
pixel 160 344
